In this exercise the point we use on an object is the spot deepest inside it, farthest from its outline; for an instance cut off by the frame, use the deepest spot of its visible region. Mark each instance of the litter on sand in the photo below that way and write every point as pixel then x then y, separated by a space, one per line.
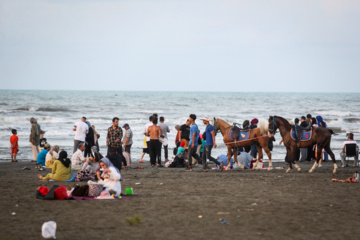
pixel 48 230
pixel 223 213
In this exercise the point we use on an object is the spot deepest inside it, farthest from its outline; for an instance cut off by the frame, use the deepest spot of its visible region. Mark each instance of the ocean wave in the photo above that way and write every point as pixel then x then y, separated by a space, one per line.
pixel 334 113
pixel 42 109
pixel 352 120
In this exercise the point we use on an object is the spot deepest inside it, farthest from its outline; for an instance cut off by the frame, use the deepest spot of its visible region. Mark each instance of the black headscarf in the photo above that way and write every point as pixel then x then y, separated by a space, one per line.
pixel 63 159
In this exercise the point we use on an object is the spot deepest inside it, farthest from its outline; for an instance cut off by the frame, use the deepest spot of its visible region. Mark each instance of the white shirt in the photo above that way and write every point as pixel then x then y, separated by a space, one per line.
pixel 146 129
pixel 53 157
pixel 76 159
pixel 81 130
pixel 112 183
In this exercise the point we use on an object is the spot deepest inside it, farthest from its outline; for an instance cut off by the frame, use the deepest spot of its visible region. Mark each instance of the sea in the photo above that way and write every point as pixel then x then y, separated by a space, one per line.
pixel 57 111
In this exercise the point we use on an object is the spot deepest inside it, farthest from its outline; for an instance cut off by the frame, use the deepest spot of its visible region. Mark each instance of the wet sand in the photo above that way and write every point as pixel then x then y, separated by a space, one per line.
pixel 255 204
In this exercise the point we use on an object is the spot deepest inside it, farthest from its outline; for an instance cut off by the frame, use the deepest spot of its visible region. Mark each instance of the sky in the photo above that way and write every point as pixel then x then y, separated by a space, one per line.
pixel 181 45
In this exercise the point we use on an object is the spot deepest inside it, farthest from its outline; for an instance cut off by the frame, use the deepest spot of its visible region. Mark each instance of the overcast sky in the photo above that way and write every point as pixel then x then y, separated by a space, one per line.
pixel 180 45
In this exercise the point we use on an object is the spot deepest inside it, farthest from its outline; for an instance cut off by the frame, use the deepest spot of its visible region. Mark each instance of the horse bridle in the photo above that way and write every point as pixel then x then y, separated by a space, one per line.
pixel 220 130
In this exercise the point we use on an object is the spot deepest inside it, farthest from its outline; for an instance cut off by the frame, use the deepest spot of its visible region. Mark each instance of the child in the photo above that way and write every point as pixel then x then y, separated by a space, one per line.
pixel 42 142
pixel 14 145
pixel 145 150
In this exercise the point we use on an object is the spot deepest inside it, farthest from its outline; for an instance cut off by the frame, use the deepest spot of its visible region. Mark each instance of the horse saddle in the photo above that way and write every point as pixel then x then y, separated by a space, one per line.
pixel 300 134
pixel 238 134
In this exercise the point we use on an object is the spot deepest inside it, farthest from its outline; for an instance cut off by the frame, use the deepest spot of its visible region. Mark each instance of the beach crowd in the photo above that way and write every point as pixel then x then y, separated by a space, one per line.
pixel 191 147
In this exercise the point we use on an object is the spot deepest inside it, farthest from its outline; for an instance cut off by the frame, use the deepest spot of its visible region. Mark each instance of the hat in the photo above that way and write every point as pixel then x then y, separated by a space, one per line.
pixel 126 125
pixel 206 118
pixel 254 121
pixel 182 144
pixel 46 145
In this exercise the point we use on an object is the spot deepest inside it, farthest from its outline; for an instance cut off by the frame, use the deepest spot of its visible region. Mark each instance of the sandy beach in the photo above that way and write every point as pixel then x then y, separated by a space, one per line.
pixel 175 204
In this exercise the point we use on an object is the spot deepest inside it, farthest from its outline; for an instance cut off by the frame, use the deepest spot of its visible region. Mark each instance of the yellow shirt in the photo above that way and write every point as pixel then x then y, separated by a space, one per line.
pixel 60 172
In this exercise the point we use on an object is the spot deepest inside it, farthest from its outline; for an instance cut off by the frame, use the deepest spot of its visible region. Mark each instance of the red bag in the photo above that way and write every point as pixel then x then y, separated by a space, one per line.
pixel 43 190
pixel 60 193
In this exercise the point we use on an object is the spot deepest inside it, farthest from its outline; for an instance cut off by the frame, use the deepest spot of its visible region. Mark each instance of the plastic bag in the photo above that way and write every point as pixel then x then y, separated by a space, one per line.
pixel 48 230
pixel 60 193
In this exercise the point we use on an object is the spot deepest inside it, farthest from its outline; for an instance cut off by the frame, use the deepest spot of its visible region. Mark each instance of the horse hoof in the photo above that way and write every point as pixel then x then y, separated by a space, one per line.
pixel 269 169
pixel 299 170
pixel 310 171
pixel 334 171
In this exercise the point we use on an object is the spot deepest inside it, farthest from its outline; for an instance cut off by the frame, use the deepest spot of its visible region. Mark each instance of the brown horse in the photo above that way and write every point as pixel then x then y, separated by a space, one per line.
pixel 256 136
pixel 319 135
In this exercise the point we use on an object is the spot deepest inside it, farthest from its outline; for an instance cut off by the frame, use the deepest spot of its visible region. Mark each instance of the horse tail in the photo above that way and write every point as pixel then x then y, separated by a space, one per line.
pixel 264 126
pixel 331 131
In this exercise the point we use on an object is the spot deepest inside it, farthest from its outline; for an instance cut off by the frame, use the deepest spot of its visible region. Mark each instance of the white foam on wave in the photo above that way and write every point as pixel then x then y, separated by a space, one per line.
pixel 335 113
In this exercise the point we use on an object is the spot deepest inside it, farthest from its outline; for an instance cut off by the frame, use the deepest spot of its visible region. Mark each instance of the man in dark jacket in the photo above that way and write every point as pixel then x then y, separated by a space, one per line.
pixel 116 159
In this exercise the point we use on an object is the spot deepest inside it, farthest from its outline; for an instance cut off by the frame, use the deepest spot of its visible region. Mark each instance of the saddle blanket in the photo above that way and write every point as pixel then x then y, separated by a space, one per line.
pixel 242 135
pixel 306 135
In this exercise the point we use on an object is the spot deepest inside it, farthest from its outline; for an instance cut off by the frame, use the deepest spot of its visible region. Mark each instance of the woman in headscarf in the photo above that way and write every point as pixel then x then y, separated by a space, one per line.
pixel 320 121
pixel 34 138
pixel 61 170
pixel 89 141
pixel 51 156
pixel 111 176
pixel 90 166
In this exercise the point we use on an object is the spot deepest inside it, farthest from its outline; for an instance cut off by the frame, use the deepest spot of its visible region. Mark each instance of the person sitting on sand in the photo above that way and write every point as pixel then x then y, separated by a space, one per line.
pixel 116 159
pixel 52 156
pixel 89 168
pixel 78 158
pixel 42 156
pixel 61 170
pixel 111 176
pixel 350 140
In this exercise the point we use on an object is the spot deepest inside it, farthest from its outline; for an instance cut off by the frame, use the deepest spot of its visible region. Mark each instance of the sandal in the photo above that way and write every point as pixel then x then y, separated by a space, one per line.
pixel 221 167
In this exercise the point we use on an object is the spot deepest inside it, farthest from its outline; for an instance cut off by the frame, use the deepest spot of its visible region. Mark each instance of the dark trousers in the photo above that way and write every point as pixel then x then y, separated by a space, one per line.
pixel 118 150
pixel 166 151
pixel 127 148
pixel 207 155
pixel 192 153
pixel 253 152
pixel 148 146
pixel 155 150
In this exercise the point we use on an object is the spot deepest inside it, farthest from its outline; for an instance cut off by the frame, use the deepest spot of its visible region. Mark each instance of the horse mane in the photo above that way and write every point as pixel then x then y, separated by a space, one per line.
pixel 223 121
pixel 264 126
pixel 286 122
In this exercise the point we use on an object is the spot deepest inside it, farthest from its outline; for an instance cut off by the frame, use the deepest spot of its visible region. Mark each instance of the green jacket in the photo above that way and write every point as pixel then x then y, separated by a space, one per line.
pixel 34 136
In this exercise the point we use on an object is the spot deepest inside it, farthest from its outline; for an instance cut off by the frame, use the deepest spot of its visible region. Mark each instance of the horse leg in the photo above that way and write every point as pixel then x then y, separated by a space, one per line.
pixel 264 145
pixel 229 157
pixel 293 153
pixel 331 154
pixel 290 159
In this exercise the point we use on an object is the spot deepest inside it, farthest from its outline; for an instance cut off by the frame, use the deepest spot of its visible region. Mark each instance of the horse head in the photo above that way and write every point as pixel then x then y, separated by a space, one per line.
pixel 272 125
pixel 216 126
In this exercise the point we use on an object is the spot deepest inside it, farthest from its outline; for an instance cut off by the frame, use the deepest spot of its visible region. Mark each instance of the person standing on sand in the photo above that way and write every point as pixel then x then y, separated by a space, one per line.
pixel 80 129
pixel 150 123
pixel 303 151
pixel 127 138
pixel 154 132
pixel 193 143
pixel 253 125
pixel 114 136
pixel 96 138
pixel 209 143
pixel 89 140
pixel 185 133
pixel 34 138
pixel 14 145
pixel 164 130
